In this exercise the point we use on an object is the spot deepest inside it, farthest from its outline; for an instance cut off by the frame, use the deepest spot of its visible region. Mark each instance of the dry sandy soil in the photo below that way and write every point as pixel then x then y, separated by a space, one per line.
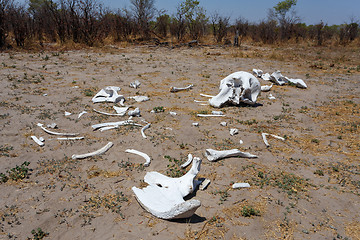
pixel 306 187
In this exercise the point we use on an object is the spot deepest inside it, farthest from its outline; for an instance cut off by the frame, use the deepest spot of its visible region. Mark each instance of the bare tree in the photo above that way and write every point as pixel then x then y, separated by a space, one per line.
pixel 144 11
pixel 20 19
pixel 4 23
pixel 220 27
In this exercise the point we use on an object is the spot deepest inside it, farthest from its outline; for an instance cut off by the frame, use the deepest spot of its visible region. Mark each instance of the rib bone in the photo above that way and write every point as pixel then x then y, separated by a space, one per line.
pixel 97 152
pixel 56 133
pixel 37 140
pixel 190 158
pixel 144 128
pixel 115 124
pixel 144 155
pixel 175 89
pixel 213 155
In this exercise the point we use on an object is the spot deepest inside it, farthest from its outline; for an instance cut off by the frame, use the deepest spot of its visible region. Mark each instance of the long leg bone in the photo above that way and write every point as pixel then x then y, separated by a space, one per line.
pixel 213 155
pixel 56 133
pixel 175 89
pixel 97 152
pixel 144 155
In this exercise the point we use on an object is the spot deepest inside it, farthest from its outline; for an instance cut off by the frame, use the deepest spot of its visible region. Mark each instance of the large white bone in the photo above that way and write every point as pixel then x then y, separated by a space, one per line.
pixel 108 94
pixel 189 160
pixel 144 155
pixel 213 155
pixel 144 128
pixel 238 87
pixel 297 82
pixel 164 196
pixel 115 124
pixel 278 78
pixel 56 133
pixel 266 88
pixel 175 89
pixel 97 152
pixel 266 77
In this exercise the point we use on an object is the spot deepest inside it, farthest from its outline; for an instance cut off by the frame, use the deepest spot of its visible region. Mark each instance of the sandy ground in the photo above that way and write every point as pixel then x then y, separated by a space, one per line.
pixel 306 187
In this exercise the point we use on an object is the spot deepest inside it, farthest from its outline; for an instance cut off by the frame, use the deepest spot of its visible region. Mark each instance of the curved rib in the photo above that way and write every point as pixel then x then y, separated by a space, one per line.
pixel 38 141
pixel 56 133
pixel 108 114
pixel 144 155
pixel 190 158
pixel 97 152
pixel 143 129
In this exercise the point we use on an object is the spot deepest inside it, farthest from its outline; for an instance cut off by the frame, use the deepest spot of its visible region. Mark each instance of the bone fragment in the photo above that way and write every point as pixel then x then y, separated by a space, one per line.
pixel 189 160
pixel 240 185
pixel 115 124
pixel 223 124
pixel 53 125
pixel 195 124
pixel 271 97
pixel 257 72
pixel 217 113
pixel 206 95
pixel 38 141
pixel 135 84
pixel 264 137
pixel 197 101
pixel 140 98
pixel 297 82
pixel 108 94
pixel 144 128
pixel 82 113
pixel 266 77
pixel 67 113
pixel 210 115
pixel 278 78
pixel 175 89
pixel 266 88
pixel 164 196
pixel 238 87
pixel 213 155
pixel 120 110
pixel 70 138
pixel 173 113
pixel 241 141
pixel 56 133
pixel 233 131
pixel 144 155
pixel 203 185
pixel 134 113
pixel 97 152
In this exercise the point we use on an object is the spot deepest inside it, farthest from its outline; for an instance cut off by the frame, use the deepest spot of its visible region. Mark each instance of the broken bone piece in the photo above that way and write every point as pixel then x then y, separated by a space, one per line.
pixel 233 131
pixel 297 82
pixel 217 113
pixel 97 152
pixel 135 84
pixel 266 77
pixel 214 155
pixel 82 113
pixel 238 87
pixel 223 124
pixel 195 124
pixel 70 138
pixel 115 124
pixel 278 78
pixel 175 89
pixel 56 133
pixel 257 72
pixel 173 113
pixel 37 141
pixel 164 196
pixel 140 98
pixel 108 94
pixel 144 155
pixel 144 128
pixel 52 125
pixel 240 185
pixel 203 185
pixel 264 137
pixel 271 97
pixel 206 95
pixel 241 141
pixel 134 113
pixel 266 88
pixel 189 160
pixel 67 113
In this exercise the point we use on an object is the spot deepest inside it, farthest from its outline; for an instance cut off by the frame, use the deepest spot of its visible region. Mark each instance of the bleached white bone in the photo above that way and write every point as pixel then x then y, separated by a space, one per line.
pixel 195 124
pixel 241 141
pixel 266 77
pixel 134 113
pixel 97 152
pixel 140 98
pixel 56 133
pixel 210 115
pixel 297 82
pixel 238 87
pixel 120 110
pixel 271 97
pixel 240 185
pixel 233 131
pixel 144 128
pixel 204 184
pixel 109 114
pixel 198 101
pixel 176 89
pixel 264 137
pixel 223 124
pixel 266 88
pixel 257 72
pixel 189 160
pixel 278 78
pixel 82 113
pixel 38 141
pixel 67 113
pixel 108 94
pixel 135 84
pixel 164 196
pixel 53 125
pixel 206 95
pixel 213 155
pixel 71 138
pixel 116 124
pixel 173 113
pixel 144 155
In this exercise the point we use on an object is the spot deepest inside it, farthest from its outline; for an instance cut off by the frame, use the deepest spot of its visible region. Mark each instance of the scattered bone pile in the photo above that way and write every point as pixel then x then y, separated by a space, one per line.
pixel 164 196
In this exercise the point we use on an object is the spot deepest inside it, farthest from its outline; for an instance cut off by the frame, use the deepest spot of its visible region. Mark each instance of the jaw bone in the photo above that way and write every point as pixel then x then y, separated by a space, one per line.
pixel 164 196
pixel 213 155
pixel 236 88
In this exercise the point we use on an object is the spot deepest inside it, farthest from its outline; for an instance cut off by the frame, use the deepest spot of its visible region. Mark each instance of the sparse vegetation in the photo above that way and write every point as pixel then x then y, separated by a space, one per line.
pixel 17 173
pixel 39 234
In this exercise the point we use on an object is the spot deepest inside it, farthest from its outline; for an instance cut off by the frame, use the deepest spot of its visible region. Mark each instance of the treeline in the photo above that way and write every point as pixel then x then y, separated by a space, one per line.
pixel 89 22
